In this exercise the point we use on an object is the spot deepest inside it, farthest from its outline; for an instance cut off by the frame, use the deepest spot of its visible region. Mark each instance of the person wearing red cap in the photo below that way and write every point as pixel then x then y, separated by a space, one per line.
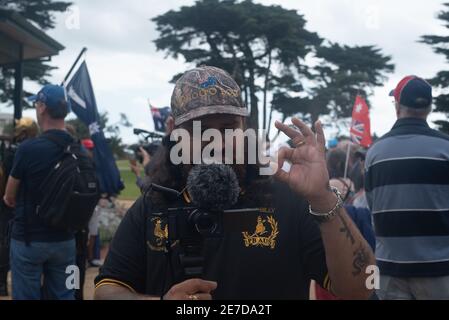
pixel 95 219
pixel 407 183
pixel 88 144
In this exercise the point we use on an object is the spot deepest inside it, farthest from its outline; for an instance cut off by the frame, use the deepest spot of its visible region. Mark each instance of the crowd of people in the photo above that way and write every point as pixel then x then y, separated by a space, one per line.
pixel 316 227
pixel 36 254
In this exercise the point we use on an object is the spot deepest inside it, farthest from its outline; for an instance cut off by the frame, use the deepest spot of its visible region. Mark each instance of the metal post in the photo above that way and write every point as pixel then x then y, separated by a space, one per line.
pixel 18 85
pixel 348 152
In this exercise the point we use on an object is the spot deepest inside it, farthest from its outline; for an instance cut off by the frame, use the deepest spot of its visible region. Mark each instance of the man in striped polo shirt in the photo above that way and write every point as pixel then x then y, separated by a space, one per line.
pixel 407 185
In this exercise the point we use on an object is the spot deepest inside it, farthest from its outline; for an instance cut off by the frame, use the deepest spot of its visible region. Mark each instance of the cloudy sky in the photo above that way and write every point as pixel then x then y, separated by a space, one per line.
pixel 126 70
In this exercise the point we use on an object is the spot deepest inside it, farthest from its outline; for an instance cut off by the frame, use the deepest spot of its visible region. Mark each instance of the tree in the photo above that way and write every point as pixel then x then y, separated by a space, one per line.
pixel 40 12
pixel 441 80
pixel 268 50
pixel 248 40
pixel 340 74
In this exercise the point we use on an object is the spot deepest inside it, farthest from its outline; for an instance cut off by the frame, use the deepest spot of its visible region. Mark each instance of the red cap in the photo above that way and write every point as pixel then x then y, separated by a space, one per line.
pixel 396 93
pixel 87 143
pixel 413 92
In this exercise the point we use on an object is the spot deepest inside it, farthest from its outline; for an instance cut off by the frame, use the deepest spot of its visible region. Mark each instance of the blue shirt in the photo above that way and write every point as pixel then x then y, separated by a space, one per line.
pixel 32 163
pixel 362 219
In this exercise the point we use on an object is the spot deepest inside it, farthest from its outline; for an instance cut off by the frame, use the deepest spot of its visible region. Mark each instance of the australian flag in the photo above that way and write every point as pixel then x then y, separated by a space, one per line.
pixel 160 117
pixel 81 95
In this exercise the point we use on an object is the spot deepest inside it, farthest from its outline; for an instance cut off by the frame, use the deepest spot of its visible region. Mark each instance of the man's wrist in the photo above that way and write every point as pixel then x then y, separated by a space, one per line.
pixel 324 202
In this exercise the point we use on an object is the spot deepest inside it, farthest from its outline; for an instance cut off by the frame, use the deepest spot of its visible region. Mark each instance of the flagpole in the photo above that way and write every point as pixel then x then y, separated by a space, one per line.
pixel 347 160
pixel 74 65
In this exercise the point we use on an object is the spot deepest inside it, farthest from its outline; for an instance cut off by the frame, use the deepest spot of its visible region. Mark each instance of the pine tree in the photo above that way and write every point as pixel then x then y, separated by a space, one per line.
pixel 441 80
pixel 342 73
pixel 267 49
pixel 246 39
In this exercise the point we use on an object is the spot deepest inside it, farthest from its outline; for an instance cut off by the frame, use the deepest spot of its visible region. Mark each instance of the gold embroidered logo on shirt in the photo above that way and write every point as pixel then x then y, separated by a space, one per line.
pixel 265 234
pixel 160 232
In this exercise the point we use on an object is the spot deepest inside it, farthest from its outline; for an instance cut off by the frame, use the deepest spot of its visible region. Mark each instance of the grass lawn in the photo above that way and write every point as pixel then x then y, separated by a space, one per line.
pixel 131 191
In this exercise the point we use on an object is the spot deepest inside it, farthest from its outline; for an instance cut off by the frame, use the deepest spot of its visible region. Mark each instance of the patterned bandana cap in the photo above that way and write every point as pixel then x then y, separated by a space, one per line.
pixel 204 91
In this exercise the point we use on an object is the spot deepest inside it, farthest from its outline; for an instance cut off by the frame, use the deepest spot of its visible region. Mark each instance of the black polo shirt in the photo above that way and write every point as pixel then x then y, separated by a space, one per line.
pixel 274 258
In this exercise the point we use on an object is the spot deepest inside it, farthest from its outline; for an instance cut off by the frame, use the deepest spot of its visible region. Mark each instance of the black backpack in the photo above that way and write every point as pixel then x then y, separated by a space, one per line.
pixel 70 191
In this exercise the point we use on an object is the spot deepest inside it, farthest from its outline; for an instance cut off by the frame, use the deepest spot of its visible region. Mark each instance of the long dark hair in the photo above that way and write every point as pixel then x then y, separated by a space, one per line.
pixel 161 170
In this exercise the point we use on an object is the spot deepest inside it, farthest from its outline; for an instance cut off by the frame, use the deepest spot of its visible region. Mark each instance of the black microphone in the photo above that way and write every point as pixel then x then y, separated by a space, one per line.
pixel 213 187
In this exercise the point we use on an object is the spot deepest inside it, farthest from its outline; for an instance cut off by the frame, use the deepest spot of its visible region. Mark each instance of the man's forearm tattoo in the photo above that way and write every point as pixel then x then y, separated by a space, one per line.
pixel 345 229
pixel 360 261
pixel 360 256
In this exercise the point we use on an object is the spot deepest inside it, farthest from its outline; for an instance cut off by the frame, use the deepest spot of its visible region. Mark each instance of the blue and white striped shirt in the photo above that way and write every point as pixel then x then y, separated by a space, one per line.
pixel 407 186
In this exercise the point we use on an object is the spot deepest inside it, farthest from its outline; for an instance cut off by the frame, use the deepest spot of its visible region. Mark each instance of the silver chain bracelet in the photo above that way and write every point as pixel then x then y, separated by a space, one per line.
pixel 324 217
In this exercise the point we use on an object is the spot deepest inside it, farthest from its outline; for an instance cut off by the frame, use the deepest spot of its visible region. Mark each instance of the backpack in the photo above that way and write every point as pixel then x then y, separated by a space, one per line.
pixel 70 191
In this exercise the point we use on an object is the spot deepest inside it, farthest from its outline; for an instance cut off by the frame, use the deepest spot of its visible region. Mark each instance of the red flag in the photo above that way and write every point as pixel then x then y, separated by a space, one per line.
pixel 361 127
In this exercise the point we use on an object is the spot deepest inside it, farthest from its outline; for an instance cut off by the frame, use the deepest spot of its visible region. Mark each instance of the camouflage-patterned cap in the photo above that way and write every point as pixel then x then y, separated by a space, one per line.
pixel 204 91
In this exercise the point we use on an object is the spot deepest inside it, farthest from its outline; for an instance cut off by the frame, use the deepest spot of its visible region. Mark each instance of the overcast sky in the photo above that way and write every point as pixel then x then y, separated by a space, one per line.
pixel 126 70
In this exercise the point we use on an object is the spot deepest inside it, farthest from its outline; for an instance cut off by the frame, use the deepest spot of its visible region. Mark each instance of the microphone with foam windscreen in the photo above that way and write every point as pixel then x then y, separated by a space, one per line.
pixel 214 190
pixel 213 187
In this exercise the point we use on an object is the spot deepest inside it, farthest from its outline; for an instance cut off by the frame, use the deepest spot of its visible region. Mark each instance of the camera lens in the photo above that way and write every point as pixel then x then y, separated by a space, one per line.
pixel 205 223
